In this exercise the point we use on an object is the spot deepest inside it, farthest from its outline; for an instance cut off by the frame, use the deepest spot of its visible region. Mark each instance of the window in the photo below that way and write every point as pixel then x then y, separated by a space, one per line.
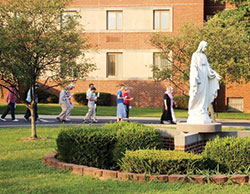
pixel 161 61
pixel 162 20
pixel 114 20
pixel 235 104
pixel 114 61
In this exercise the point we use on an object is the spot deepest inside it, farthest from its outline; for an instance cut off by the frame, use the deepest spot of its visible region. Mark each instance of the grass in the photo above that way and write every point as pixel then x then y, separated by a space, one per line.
pixel 55 109
pixel 22 171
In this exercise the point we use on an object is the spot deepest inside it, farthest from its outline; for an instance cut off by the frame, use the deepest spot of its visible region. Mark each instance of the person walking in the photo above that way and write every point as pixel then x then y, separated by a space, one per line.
pixel 11 101
pixel 28 99
pixel 168 110
pixel 91 106
pixel 121 111
pixel 127 100
pixel 91 85
pixel 66 105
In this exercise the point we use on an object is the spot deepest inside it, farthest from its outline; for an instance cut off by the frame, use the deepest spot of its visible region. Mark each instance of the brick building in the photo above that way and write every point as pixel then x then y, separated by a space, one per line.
pixel 119 31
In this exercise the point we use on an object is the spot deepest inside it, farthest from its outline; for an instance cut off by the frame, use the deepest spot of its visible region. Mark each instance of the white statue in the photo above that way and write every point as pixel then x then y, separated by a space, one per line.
pixel 204 83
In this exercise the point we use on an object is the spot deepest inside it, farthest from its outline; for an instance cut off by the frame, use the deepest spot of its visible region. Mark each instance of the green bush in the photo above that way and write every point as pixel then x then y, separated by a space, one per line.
pixel 161 162
pixel 103 100
pixel 80 98
pixel 103 146
pixel 91 146
pixel 46 97
pixel 134 136
pixel 231 153
pixel 181 102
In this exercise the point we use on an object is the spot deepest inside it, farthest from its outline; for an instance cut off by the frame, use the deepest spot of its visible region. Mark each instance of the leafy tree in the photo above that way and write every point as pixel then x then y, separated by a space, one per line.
pixel 232 2
pixel 35 44
pixel 228 36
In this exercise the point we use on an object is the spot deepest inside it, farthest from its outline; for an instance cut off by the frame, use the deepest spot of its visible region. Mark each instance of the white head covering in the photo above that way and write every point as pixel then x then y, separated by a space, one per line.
pixel 201 46
pixel 70 86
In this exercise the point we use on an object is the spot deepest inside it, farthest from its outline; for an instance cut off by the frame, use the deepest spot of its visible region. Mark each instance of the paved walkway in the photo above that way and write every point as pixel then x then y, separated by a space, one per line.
pixel 50 120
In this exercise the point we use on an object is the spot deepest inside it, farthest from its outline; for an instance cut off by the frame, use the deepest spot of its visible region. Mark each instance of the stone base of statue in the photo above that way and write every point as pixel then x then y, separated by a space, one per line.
pixel 198 128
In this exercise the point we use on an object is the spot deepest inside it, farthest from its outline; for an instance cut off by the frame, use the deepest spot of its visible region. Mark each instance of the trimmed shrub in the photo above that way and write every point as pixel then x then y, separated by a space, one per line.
pixel 103 100
pixel 134 136
pixel 103 146
pixel 91 146
pixel 161 162
pixel 80 98
pixel 181 102
pixel 231 153
pixel 46 97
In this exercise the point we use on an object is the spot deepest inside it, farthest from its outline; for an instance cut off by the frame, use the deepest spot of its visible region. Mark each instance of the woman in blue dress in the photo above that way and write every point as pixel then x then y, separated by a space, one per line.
pixel 121 111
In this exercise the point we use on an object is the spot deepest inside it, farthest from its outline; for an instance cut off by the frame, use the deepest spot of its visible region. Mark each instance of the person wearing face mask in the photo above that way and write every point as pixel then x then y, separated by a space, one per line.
pixel 204 83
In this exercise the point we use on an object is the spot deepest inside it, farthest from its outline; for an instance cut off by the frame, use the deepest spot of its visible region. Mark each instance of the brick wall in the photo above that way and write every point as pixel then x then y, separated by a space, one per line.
pixel 147 93
pixel 239 90
pixel 210 8
pixel 168 143
pixel 196 147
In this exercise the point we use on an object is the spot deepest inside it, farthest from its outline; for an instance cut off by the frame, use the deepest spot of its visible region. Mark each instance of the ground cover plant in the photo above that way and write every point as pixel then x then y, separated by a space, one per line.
pixel 22 171
pixel 55 109
pixel 163 162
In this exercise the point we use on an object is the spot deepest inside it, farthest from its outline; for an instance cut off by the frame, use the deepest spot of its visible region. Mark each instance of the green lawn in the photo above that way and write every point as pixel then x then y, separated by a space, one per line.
pixel 22 171
pixel 55 109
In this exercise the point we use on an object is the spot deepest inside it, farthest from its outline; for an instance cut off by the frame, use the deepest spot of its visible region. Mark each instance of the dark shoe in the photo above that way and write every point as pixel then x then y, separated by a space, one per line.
pixel 26 119
pixel 161 122
pixel 173 123
pixel 58 118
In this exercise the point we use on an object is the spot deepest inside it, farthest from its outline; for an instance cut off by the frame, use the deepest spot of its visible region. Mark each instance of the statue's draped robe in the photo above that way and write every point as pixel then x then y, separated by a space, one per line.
pixel 204 84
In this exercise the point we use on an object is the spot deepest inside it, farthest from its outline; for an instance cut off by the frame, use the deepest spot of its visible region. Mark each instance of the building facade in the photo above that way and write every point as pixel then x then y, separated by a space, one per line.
pixel 120 31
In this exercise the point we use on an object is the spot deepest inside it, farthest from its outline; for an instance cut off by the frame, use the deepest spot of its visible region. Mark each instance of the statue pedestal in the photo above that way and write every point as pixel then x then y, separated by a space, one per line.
pixel 198 128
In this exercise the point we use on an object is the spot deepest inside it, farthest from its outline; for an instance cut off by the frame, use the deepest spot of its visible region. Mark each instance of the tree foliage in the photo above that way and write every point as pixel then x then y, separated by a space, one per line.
pixel 232 2
pixel 228 37
pixel 35 44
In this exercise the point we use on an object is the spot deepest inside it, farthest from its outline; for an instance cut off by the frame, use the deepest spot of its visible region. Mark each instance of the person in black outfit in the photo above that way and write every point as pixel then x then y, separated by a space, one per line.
pixel 28 99
pixel 166 110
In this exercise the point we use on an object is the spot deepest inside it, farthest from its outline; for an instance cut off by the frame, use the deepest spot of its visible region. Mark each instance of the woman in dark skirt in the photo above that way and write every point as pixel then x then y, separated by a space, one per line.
pixel 167 110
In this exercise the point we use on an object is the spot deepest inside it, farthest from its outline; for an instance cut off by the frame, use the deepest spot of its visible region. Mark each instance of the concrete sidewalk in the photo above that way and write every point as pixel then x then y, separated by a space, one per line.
pixel 50 120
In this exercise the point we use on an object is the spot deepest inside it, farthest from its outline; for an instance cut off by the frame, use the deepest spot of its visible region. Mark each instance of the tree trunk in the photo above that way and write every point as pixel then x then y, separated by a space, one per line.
pixel 33 123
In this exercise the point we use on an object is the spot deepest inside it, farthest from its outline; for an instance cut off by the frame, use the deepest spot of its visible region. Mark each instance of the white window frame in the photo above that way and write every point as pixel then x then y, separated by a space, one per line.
pixel 160 27
pixel 116 28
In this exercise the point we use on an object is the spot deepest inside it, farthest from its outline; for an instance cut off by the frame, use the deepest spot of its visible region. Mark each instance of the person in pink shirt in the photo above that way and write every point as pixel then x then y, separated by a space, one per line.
pixel 11 100
pixel 126 101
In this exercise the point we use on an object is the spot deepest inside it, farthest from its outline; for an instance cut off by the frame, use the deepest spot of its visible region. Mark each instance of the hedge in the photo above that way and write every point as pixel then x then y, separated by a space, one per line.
pixel 181 102
pixel 104 146
pixel 162 162
pixel 134 136
pixel 80 98
pixel 103 100
pixel 87 145
pixel 46 97
pixel 231 153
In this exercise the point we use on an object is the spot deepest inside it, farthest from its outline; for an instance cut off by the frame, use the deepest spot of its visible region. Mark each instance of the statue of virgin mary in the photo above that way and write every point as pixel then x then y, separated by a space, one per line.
pixel 204 83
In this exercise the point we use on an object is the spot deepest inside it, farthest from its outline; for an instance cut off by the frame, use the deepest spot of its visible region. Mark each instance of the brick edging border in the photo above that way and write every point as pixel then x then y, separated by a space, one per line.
pixel 102 174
